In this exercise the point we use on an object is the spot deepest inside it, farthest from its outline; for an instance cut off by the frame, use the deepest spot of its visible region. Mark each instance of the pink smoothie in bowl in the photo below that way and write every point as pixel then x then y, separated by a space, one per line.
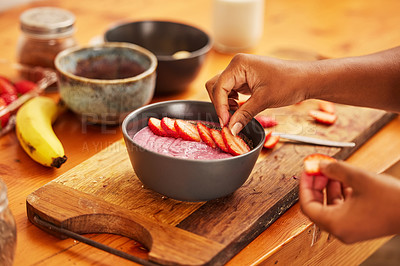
pixel 177 147
pixel 186 179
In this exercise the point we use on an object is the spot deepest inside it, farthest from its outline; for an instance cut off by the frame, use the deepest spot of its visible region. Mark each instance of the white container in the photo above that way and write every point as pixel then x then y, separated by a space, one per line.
pixel 237 24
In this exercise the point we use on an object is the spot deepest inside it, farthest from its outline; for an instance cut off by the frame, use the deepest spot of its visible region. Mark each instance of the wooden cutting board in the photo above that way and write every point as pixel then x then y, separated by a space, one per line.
pixel 103 194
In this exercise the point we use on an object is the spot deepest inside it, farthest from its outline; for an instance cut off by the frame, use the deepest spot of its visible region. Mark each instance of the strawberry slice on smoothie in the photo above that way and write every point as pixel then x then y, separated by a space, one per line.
pixel 235 144
pixel 187 130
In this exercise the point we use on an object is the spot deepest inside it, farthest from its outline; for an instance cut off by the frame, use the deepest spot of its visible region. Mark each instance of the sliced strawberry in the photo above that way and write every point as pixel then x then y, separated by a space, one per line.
pixel 24 86
pixel 271 142
pixel 323 117
pixel 4 78
pixel 187 130
pixel 9 98
pixel 7 91
pixel 155 126
pixel 268 134
pixel 311 163
pixel 205 135
pixel 4 119
pixel 266 121
pixel 328 107
pixel 235 144
pixel 168 124
pixel 219 141
pixel 6 87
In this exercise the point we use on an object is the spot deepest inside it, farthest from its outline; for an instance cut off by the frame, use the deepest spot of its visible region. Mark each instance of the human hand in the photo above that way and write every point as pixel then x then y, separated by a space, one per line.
pixel 270 82
pixel 359 205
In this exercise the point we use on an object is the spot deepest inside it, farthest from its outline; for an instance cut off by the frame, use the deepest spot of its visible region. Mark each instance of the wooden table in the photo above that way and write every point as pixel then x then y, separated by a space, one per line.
pixel 304 29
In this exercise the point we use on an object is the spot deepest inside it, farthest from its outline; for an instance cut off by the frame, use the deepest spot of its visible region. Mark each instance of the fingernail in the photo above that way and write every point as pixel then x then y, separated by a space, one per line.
pixel 236 128
pixel 221 123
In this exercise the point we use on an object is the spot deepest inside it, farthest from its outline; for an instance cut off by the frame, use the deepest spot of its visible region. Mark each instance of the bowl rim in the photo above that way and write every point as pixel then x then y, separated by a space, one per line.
pixel 149 71
pixel 143 108
pixel 203 50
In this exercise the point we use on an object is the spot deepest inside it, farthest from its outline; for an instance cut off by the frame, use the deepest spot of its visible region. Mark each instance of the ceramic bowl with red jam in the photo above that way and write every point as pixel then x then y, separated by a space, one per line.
pixel 104 83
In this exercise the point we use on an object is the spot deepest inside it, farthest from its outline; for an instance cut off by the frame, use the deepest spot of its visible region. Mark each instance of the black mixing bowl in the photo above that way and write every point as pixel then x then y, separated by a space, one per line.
pixel 186 179
pixel 179 48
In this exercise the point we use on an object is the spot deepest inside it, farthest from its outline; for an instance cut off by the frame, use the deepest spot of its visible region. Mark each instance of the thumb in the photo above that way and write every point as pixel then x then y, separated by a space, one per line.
pixel 244 114
pixel 343 172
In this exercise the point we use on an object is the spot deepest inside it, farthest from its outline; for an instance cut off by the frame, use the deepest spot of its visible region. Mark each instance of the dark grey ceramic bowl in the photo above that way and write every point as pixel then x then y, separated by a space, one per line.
pixel 165 39
pixel 184 179
pixel 103 83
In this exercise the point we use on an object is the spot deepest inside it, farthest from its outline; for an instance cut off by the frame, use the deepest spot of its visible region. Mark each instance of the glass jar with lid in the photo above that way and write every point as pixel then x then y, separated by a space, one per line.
pixel 8 234
pixel 45 31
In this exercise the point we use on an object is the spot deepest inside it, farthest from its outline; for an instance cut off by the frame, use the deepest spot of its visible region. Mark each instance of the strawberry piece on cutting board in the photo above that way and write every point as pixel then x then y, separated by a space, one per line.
pixel 323 117
pixel 271 141
pixel 266 121
pixel 327 107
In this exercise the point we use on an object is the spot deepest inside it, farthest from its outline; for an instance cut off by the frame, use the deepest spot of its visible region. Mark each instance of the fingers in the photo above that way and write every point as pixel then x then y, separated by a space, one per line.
pixel 223 91
pixel 312 199
pixel 244 114
pixel 219 98
pixel 343 172
pixel 341 177
pixel 334 193
pixel 320 182
pixel 308 190
pixel 210 86
pixel 344 179
pixel 350 194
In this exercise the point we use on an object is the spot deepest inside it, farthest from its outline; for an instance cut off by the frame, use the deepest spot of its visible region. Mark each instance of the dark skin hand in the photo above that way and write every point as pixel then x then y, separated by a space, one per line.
pixel 359 205
pixel 273 82
pixel 243 76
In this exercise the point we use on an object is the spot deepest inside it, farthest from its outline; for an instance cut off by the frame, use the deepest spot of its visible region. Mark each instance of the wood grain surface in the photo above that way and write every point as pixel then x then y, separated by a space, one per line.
pixel 221 227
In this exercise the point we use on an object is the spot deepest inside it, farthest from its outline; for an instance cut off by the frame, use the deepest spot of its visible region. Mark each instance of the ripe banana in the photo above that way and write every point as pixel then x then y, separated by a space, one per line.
pixel 35 132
